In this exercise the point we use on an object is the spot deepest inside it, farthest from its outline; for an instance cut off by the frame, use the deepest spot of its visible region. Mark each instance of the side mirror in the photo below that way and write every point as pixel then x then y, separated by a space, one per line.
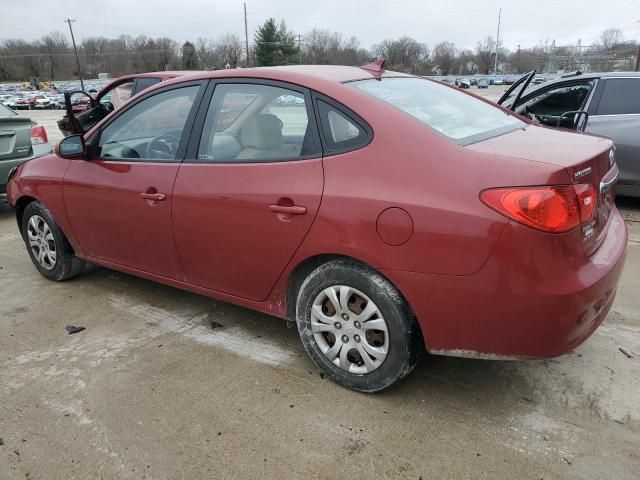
pixel 72 147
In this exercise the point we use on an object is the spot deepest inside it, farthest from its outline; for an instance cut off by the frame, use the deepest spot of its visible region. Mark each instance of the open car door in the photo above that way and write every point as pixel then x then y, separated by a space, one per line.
pixel 78 121
pixel 522 83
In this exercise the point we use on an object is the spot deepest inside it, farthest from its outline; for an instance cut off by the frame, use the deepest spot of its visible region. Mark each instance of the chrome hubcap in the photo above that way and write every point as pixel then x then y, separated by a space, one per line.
pixel 41 242
pixel 349 329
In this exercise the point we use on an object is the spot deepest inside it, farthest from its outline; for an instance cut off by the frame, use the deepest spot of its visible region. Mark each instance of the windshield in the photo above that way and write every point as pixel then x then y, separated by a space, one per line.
pixel 454 114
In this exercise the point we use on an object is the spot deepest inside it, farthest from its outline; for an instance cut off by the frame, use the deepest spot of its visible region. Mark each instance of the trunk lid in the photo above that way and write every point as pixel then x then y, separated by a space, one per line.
pixel 15 137
pixel 587 159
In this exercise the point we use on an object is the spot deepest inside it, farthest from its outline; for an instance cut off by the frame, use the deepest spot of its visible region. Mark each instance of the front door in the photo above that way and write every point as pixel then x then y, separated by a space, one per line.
pixel 549 106
pixel 119 203
pixel 246 200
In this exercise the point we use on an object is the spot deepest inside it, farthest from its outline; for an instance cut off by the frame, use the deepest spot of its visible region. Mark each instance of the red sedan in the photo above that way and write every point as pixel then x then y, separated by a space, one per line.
pixel 382 212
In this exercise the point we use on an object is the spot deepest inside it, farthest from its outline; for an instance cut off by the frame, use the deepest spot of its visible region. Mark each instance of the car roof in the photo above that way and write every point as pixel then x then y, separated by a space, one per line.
pixel 331 73
pixel 583 76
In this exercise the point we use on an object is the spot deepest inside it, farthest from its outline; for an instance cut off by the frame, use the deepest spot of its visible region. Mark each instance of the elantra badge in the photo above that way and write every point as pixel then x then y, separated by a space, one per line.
pixel 582 173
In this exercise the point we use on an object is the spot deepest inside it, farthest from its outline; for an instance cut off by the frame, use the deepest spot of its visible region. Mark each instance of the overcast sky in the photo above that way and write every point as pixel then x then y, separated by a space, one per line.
pixel 463 22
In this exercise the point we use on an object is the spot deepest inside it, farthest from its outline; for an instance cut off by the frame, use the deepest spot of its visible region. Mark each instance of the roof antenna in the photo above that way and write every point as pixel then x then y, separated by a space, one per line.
pixel 376 67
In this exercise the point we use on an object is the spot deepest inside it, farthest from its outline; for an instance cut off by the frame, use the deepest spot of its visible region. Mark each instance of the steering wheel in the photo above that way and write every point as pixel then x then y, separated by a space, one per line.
pixel 162 147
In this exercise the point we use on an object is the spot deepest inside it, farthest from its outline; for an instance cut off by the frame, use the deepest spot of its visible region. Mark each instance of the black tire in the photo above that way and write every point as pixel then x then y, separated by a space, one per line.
pixel 404 336
pixel 66 265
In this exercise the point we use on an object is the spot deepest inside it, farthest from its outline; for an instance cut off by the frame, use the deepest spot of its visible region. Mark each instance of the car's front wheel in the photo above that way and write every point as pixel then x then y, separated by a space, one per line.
pixel 48 248
pixel 356 326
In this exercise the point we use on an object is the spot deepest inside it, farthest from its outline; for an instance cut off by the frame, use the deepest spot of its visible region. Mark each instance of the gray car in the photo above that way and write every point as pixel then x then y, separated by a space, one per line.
pixel 20 140
pixel 601 103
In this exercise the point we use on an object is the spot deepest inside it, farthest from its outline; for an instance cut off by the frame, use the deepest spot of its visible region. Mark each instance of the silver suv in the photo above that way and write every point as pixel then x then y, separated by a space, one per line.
pixel 602 103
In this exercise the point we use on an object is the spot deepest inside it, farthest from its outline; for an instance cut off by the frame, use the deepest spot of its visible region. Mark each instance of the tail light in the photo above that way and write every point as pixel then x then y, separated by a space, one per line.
pixel 38 135
pixel 555 209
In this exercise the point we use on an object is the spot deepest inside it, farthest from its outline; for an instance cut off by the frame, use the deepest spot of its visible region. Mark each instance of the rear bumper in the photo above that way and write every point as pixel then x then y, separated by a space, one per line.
pixel 38 150
pixel 531 300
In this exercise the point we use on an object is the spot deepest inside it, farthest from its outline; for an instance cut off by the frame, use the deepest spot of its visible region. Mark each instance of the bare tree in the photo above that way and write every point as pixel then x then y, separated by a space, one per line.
pixel 484 53
pixel 230 49
pixel 611 38
pixel 444 56
pixel 404 54
pixel 55 45
pixel 206 53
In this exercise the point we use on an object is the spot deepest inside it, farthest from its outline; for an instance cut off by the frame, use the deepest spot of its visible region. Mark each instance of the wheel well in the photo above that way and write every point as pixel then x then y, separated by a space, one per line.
pixel 302 271
pixel 299 274
pixel 21 205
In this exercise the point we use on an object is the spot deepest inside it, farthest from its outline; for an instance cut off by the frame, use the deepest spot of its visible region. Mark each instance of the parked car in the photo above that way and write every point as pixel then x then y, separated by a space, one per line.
pixel 8 100
pixel 482 83
pixel 57 101
pixel 83 111
pixel 487 236
pixel 25 102
pixel 42 101
pixel 20 140
pixel 600 103
pixel 538 80
pixel 462 83
pixel 497 81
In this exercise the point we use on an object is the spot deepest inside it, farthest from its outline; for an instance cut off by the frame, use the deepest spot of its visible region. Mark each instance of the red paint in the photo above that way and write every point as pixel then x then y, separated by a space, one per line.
pixel 230 240
pixel 477 281
pixel 104 206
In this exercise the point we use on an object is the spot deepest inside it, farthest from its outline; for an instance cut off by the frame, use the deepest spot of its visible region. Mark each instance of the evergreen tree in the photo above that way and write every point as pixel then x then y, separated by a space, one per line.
pixel 275 45
pixel 189 57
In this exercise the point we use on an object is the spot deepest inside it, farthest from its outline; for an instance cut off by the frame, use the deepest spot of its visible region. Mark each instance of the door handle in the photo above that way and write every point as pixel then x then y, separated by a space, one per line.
pixel 156 197
pixel 288 210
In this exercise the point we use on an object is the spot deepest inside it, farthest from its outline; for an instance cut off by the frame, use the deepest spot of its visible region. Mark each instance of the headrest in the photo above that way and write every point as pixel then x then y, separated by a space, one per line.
pixel 262 131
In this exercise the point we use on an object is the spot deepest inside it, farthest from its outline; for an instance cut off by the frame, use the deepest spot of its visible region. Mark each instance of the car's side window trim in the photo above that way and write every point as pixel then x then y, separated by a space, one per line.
pixel 191 154
pixel 595 98
pixel 94 141
pixel 349 114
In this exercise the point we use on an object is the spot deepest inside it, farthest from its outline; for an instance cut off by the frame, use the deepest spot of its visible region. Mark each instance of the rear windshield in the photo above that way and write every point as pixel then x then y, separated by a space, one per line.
pixel 454 114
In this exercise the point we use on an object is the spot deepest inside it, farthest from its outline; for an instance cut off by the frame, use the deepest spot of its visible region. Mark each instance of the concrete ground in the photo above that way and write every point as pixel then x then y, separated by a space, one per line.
pixel 150 390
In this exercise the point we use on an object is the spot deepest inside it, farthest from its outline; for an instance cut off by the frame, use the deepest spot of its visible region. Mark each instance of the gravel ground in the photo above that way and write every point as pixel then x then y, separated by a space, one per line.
pixel 149 390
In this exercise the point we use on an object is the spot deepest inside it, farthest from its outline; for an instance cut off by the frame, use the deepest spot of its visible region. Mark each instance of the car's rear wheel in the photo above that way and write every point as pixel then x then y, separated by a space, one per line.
pixel 356 326
pixel 48 248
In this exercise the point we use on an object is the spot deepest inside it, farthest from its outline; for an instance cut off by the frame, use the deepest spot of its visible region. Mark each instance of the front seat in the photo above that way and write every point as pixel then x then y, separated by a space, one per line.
pixel 261 138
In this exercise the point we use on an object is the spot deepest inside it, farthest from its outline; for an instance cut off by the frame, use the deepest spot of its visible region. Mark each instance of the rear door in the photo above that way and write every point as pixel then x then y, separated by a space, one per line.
pixel 15 136
pixel 119 202
pixel 616 113
pixel 250 188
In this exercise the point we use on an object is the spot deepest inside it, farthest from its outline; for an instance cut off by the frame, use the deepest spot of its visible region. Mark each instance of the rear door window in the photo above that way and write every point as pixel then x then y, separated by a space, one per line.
pixel 620 96
pixel 248 122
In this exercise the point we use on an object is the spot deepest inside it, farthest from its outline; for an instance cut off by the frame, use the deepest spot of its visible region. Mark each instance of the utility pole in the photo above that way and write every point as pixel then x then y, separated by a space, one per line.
pixel 495 66
pixel 246 33
pixel 73 40
pixel 300 47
